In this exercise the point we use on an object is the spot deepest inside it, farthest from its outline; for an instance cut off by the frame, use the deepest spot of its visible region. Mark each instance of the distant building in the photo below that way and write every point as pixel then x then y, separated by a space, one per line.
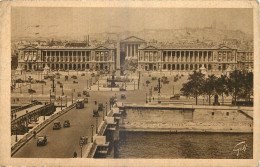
pixel 70 57
pixel 148 56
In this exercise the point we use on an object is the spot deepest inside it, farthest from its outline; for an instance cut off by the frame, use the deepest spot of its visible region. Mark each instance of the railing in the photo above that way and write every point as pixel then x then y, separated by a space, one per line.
pixel 102 128
pixel 92 150
pixel 37 129
pixel 13 111
pixel 32 112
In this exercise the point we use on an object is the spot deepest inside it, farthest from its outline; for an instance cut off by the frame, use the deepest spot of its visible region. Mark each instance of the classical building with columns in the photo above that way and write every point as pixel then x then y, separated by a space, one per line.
pixel 148 57
pixel 67 58
pixel 129 47
pixel 174 58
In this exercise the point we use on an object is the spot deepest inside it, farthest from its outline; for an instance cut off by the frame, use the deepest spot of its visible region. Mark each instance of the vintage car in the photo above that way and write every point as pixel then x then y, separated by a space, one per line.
pixel 74 77
pixel 175 97
pixel 86 93
pixel 95 113
pixel 84 139
pixel 66 123
pixel 100 107
pixel 82 74
pixel 85 100
pixel 56 125
pixel 66 77
pixel 123 96
pixel 80 104
pixel 41 141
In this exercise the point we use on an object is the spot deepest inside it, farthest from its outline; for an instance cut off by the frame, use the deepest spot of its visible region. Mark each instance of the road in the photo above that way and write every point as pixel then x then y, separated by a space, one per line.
pixel 64 142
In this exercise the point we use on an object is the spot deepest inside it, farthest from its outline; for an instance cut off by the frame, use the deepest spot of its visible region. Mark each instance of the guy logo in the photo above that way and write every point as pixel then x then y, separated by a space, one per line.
pixel 240 147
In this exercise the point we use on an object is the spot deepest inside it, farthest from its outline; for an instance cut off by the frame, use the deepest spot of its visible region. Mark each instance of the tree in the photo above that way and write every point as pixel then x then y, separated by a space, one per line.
pixel 221 86
pixel 247 86
pixel 235 84
pixel 209 85
pixel 194 85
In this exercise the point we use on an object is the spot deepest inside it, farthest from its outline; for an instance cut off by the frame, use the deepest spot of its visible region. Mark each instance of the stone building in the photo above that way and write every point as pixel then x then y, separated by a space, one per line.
pixel 67 58
pixel 148 57
pixel 175 58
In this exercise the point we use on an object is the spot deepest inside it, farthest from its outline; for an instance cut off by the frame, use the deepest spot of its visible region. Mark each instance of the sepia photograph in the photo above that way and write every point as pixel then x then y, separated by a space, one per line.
pixel 132 83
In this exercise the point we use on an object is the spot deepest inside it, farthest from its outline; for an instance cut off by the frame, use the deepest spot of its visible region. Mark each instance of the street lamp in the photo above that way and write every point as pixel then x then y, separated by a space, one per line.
pixel 92 126
pixel 61 102
pixel 106 108
pixel 16 129
pixel 103 113
pixel 96 125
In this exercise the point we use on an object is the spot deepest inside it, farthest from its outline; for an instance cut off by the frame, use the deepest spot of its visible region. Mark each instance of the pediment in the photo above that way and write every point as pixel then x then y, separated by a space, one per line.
pixel 224 47
pixel 133 39
pixel 102 48
pixel 29 48
pixel 150 47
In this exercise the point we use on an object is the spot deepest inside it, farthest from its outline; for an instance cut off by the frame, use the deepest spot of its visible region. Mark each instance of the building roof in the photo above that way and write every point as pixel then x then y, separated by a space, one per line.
pixel 133 39
pixel 72 47
pixel 183 47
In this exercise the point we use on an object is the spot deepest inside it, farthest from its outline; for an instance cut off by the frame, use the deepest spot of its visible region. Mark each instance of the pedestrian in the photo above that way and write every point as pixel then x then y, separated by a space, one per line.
pixel 15 116
pixel 75 155
pixel 12 116
pixel 34 134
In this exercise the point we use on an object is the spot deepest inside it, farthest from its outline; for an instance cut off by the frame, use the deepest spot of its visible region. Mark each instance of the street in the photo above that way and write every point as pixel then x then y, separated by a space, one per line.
pixel 64 142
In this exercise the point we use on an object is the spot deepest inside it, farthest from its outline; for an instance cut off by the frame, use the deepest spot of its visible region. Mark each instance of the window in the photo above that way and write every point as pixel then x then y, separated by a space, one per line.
pixel 227 113
pixel 212 113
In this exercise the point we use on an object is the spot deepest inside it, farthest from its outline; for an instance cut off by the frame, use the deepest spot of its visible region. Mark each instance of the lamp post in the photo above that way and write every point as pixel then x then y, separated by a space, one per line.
pixel 16 129
pixel 72 97
pixel 145 97
pixel 66 101
pixel 61 102
pixel 50 96
pixel 106 108
pixel 96 125
pixel 92 126
pixel 103 114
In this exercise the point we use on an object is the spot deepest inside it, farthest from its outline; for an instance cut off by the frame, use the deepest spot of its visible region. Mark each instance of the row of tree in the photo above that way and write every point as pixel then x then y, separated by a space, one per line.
pixel 238 84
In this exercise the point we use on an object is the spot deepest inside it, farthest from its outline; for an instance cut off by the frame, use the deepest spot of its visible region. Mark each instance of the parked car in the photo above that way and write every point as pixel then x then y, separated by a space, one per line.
pixel 80 104
pixel 66 123
pixel 93 74
pixel 75 82
pixel 56 125
pixel 42 140
pixel 85 100
pixel 95 113
pixel 85 93
pixel 74 77
pixel 175 97
pixel 31 91
pixel 100 107
pixel 66 77
pixel 84 139
pixel 82 74
pixel 123 96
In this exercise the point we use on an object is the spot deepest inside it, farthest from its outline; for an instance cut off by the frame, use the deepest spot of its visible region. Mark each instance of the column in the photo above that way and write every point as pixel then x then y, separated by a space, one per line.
pixel 131 50
pixel 134 49
pixel 126 50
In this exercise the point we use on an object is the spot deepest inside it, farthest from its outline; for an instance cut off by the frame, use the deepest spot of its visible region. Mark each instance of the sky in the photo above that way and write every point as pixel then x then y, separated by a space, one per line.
pixel 60 22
